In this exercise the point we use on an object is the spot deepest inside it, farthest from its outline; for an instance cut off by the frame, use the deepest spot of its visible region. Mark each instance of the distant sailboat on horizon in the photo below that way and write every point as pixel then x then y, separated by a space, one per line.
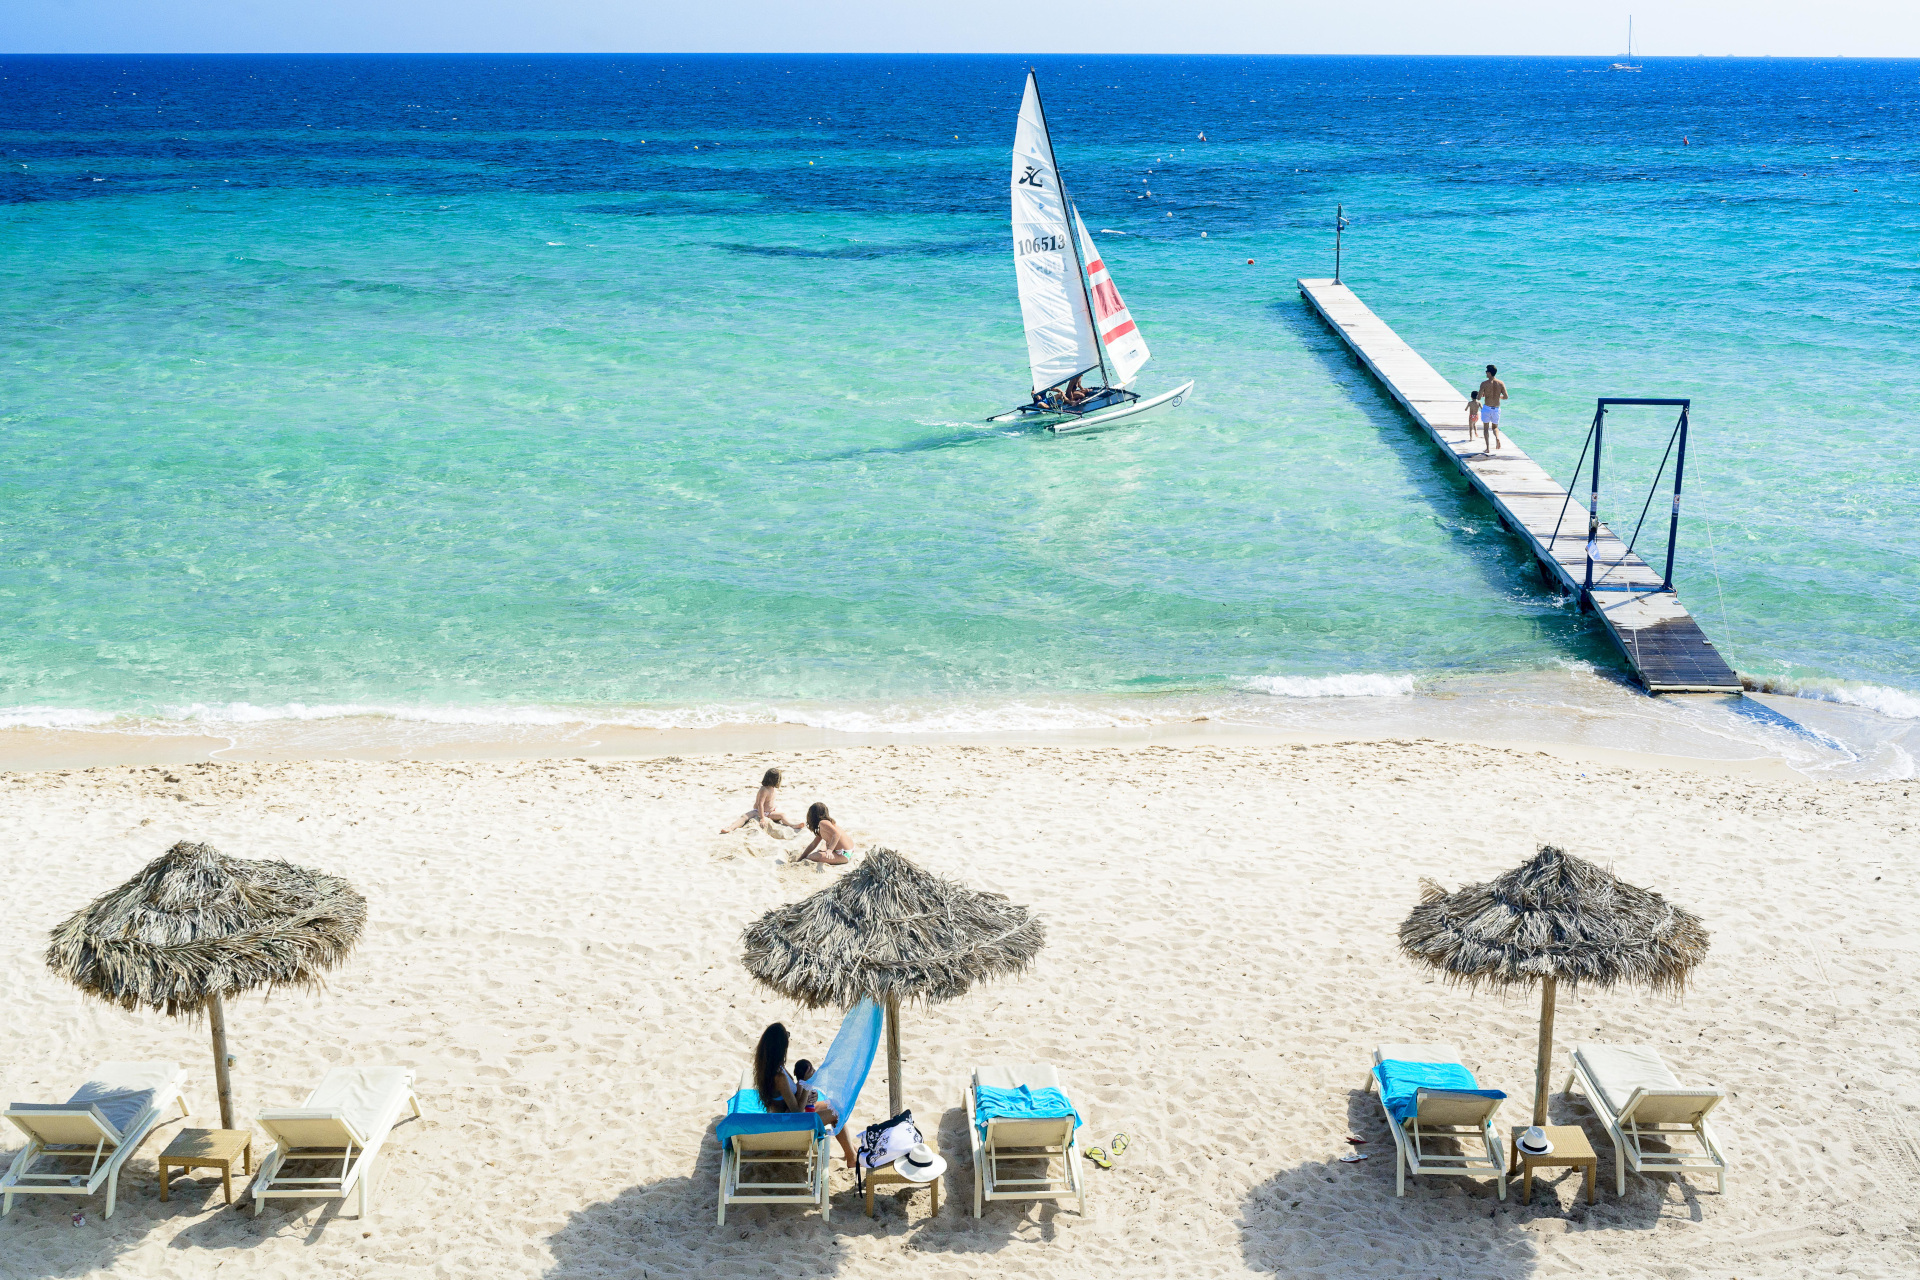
pixel 1628 64
pixel 1076 321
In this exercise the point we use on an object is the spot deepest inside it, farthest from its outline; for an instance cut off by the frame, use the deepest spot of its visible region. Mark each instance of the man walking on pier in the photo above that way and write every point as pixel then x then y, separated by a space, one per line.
pixel 1493 394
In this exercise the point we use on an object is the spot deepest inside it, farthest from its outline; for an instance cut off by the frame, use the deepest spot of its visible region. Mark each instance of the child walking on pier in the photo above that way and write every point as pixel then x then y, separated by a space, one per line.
pixel 1473 417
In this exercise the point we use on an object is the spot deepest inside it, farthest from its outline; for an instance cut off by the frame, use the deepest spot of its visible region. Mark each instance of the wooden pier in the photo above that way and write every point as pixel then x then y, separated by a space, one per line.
pixel 1666 648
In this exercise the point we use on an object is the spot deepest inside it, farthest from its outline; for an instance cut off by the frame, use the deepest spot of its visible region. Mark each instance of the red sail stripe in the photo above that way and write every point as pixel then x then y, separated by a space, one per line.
pixel 1096 265
pixel 1120 332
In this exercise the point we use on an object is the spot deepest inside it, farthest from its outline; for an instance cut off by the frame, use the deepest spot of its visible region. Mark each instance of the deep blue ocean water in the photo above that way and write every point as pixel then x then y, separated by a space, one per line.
pixel 652 386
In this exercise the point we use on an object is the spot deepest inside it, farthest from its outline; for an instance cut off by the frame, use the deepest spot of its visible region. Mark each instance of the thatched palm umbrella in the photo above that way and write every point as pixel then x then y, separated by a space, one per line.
pixel 1553 919
pixel 890 931
pixel 196 926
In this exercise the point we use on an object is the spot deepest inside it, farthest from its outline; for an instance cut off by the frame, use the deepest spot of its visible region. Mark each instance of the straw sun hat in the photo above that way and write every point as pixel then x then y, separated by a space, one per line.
pixel 921 1164
pixel 1535 1142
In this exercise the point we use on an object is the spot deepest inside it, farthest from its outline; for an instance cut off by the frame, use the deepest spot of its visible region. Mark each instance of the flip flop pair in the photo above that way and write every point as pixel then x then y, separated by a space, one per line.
pixel 1099 1155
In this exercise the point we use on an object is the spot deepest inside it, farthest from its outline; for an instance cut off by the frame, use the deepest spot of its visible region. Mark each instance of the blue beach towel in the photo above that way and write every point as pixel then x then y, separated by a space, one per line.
pixel 1024 1103
pixel 842 1073
pixel 838 1079
pixel 743 1121
pixel 1400 1083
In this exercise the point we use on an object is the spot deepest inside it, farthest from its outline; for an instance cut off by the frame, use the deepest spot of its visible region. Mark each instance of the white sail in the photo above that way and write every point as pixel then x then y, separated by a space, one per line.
pixel 1053 298
pixel 1126 349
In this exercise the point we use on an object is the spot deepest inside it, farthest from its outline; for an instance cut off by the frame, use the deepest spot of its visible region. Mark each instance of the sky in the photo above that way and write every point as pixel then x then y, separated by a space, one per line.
pixel 1782 28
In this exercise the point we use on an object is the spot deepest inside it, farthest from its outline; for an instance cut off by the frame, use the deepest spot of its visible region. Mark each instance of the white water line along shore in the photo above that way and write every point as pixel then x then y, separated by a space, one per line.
pixel 1664 646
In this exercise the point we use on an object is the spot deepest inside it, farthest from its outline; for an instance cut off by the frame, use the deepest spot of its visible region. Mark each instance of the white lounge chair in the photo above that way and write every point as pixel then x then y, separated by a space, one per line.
pixel 1020 1141
pixel 103 1123
pixel 1640 1100
pixel 341 1127
pixel 1461 1121
pixel 798 1147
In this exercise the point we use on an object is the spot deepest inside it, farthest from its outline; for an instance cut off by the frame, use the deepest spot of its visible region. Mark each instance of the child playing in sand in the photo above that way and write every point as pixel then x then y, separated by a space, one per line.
pixel 832 842
pixel 763 811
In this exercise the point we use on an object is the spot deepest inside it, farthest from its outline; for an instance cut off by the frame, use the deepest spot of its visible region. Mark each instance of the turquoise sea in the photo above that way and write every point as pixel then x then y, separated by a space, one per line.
pixel 649 391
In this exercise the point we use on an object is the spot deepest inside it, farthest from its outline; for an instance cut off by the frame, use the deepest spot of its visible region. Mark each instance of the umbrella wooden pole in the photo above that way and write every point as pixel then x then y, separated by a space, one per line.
pixel 1546 1052
pixel 894 1083
pixel 217 1018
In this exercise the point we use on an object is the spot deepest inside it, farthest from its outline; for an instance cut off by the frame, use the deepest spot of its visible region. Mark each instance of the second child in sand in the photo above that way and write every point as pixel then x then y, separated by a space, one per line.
pixel 763 811
pixel 828 838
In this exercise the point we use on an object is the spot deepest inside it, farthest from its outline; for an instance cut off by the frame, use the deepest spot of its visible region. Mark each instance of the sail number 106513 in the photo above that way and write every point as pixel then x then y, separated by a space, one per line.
pixel 1040 244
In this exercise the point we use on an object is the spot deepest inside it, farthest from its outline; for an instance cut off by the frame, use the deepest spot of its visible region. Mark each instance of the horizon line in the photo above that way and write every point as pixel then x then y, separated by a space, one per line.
pixel 903 53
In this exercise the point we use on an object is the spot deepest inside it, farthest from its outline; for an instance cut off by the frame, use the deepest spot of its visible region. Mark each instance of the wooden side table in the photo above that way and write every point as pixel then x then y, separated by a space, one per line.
pixel 1571 1150
pixel 887 1177
pixel 214 1148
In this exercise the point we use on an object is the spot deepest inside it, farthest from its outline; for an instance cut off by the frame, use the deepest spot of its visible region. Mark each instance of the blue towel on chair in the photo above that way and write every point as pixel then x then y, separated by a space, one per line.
pixel 747 1114
pixel 1400 1083
pixel 1023 1103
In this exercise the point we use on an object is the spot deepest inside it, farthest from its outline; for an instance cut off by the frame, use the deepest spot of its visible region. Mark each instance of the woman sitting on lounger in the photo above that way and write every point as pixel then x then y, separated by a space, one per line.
pixel 780 1092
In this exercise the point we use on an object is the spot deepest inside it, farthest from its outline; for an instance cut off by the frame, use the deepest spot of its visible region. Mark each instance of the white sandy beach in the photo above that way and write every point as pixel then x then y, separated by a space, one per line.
pixel 554 946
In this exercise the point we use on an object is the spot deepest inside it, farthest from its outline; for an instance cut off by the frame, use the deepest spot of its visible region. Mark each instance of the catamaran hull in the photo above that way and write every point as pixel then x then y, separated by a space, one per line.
pixel 1133 411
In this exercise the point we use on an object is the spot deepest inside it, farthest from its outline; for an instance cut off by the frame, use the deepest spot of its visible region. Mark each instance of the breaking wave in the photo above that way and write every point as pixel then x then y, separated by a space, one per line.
pixel 1895 704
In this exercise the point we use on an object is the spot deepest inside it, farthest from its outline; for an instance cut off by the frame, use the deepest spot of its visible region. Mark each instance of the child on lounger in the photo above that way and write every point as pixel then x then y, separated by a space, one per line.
pixel 763 811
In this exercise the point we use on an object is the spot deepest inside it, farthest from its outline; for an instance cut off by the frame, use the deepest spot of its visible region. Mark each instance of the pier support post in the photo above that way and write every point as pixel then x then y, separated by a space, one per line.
pixel 1593 504
pixel 1679 474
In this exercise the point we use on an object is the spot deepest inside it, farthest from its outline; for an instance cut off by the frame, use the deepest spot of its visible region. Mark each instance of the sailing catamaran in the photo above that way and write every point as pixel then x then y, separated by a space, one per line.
pixel 1077 326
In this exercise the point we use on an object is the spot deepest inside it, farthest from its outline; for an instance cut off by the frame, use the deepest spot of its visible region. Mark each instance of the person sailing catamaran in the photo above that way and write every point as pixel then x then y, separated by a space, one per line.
pixel 1071 396
pixel 1076 322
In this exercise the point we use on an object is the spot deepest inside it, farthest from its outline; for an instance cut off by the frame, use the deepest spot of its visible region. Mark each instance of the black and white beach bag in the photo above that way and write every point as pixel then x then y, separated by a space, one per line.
pixel 882 1144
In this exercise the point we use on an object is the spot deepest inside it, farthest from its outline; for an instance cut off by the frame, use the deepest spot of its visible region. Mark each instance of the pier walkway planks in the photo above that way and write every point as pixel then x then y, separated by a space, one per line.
pixel 1663 644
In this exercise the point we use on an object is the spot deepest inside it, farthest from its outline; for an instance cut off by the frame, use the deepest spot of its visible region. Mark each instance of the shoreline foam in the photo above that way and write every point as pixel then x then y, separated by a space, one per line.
pixel 1817 730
